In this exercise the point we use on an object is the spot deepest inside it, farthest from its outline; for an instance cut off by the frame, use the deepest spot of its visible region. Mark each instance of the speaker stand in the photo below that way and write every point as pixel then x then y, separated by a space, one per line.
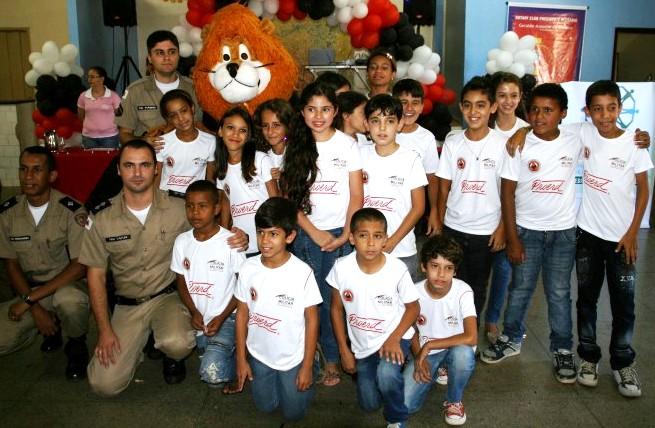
pixel 126 62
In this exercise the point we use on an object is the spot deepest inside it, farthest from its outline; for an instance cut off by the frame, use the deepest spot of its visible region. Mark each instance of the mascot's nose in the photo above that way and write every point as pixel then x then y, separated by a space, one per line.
pixel 232 68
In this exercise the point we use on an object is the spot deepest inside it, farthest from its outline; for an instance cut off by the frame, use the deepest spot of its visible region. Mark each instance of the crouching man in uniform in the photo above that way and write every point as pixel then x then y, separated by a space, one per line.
pixel 133 234
pixel 40 236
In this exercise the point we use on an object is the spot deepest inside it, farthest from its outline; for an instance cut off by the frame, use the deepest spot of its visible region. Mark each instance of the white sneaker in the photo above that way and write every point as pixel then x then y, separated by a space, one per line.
pixel 442 376
pixel 454 413
pixel 628 381
pixel 588 373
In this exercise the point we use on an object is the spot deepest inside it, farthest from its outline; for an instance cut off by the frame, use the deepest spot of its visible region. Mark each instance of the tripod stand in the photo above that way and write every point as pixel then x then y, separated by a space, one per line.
pixel 126 62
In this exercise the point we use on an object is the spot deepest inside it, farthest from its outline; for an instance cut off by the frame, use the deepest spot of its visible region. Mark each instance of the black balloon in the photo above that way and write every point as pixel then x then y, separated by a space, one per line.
pixel 47 107
pixel 416 41
pixel 403 21
pixel 405 35
pixel 305 5
pixel 325 8
pixel 46 84
pixel 388 36
pixel 405 53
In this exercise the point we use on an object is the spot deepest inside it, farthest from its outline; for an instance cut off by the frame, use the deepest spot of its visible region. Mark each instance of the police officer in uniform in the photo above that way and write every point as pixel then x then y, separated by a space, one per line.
pixel 40 237
pixel 133 235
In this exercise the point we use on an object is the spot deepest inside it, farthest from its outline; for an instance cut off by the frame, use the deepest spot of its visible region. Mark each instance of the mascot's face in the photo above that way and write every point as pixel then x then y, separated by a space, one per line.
pixel 238 76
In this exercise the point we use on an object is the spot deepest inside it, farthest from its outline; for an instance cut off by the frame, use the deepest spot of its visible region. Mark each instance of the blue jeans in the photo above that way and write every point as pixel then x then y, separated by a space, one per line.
pixel 217 364
pixel 552 253
pixel 595 258
pixel 460 360
pixel 380 382
pixel 321 263
pixel 112 142
pixel 276 388
pixel 500 279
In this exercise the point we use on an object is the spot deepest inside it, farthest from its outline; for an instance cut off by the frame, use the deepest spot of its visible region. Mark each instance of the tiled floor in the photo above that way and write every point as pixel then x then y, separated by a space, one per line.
pixel 520 392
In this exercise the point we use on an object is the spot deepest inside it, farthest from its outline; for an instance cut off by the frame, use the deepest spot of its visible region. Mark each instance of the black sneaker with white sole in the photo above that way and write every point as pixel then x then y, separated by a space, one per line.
pixel 564 366
pixel 500 350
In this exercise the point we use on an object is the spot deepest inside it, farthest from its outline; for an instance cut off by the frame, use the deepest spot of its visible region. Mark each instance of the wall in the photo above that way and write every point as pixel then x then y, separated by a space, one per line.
pixel 46 19
pixel 486 21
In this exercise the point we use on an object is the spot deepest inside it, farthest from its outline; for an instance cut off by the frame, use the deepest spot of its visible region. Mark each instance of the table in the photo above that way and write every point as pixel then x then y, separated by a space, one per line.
pixel 78 170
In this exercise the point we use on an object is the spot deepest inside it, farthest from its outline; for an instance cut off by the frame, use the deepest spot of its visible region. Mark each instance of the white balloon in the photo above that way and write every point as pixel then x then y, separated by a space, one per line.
pixel 354 2
pixel 340 3
pixel 267 15
pixel 256 7
pixel 195 35
pixel 34 56
pixel 186 50
pixel 401 69
pixel 184 22
pixel 360 10
pixel 50 51
pixel 77 70
pixel 344 15
pixel 332 19
pixel 527 42
pixel 509 41
pixel 180 32
pixel 437 70
pixel 197 47
pixel 493 54
pixel 43 66
pixel 529 69
pixel 30 77
pixel 524 57
pixel 271 6
pixel 421 54
pixel 504 60
pixel 68 53
pixel 415 70
pixel 434 61
pixel 518 69
pixel 491 66
pixel 428 76
pixel 62 69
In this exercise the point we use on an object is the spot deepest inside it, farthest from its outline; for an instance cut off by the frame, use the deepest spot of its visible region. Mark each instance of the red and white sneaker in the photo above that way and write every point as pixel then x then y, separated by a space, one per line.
pixel 454 413
pixel 442 376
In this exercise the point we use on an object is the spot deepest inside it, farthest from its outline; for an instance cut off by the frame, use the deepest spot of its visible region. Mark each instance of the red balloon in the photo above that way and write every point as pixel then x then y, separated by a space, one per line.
pixel 372 23
pixel 356 27
pixel 390 16
pixel 286 7
pixel 206 5
pixel 376 6
pixel 283 16
pixel 449 96
pixel 371 40
pixel 434 92
pixel 194 5
pixel 39 131
pixel 441 80
pixel 356 41
pixel 65 131
pixel 207 18
pixel 427 106
pixel 426 89
pixel 37 116
pixel 299 14
pixel 65 116
pixel 194 17
pixel 77 125
pixel 49 123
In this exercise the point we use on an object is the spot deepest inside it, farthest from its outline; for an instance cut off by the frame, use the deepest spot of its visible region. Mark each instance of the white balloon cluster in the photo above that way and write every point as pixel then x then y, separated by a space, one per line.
pixel 515 55
pixel 264 8
pixel 53 61
pixel 189 37
pixel 424 66
pixel 346 10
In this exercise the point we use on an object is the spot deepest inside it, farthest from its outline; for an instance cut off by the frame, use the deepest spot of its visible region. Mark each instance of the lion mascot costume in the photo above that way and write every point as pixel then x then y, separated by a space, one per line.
pixel 241 62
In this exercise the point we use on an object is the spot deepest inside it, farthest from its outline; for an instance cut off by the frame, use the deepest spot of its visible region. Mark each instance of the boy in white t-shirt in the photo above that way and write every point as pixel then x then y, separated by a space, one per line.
pixel 614 199
pixel 206 269
pixel 447 330
pixel 538 208
pixel 277 317
pixel 381 303
pixel 393 179
pixel 414 136
pixel 469 188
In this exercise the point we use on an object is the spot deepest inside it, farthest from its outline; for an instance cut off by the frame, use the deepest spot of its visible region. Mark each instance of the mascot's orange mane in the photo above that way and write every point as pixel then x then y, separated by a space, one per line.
pixel 241 62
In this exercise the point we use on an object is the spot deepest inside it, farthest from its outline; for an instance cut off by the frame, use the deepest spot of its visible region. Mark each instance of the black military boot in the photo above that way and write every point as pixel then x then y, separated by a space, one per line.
pixel 52 343
pixel 174 371
pixel 78 358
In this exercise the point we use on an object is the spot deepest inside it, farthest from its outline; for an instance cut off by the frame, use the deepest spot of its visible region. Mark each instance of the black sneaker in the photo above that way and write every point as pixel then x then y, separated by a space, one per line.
pixel 503 348
pixel 78 358
pixel 174 371
pixel 564 366
pixel 52 343
pixel 150 350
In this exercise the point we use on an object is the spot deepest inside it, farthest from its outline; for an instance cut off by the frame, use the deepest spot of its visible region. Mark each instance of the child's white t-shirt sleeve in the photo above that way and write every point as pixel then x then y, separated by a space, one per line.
pixel 212 150
pixel 177 258
pixel 642 161
pixel 446 161
pixel 431 163
pixel 417 176
pixel 511 166
pixel 354 158
pixel 407 289
pixel 264 171
pixel 240 291
pixel 161 155
pixel 312 294
pixel 332 277
pixel 236 259
pixel 467 305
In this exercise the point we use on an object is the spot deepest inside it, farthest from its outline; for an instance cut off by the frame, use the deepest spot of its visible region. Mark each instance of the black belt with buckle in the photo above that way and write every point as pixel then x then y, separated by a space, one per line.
pixel 127 301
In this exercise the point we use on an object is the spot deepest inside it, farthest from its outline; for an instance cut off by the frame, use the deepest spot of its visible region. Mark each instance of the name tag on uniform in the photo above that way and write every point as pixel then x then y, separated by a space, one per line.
pixel 20 238
pixel 142 108
pixel 118 238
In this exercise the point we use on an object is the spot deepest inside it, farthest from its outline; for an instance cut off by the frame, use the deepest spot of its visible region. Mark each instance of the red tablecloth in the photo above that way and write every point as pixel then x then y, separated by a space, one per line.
pixel 79 170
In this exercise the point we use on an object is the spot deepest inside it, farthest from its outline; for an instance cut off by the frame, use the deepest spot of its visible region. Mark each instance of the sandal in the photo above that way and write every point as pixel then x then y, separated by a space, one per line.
pixel 332 378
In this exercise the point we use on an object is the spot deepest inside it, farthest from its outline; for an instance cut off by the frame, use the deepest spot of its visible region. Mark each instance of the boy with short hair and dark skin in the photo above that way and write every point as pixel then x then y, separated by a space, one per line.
pixel 380 302
pixel 277 317
pixel 446 330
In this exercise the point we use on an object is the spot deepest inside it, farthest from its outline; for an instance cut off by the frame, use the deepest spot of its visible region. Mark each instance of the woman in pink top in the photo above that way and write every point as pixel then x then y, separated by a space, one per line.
pixel 96 108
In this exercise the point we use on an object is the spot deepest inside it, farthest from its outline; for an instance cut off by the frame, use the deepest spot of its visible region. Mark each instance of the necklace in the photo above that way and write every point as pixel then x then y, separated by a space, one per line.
pixel 476 155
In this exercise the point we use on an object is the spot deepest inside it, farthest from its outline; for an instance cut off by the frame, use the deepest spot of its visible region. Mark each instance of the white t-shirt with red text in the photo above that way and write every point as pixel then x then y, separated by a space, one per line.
pixel 520 123
pixel 209 268
pixel 185 162
pixel 276 300
pixel 388 184
pixel 545 176
pixel 330 194
pixel 374 303
pixel 425 144
pixel 245 198
pixel 473 167
pixel 609 185
pixel 444 317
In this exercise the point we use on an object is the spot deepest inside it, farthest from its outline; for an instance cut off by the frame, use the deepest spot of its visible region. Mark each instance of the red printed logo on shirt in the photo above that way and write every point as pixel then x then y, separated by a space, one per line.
pixel 244 208
pixel 170 161
pixel 180 180
pixel 534 165
pixel 378 202
pixel 269 324
pixel 473 186
pixel 587 152
pixel 548 186
pixel 461 163
pixel 596 183
pixel 421 320
pixel 348 295
pixel 253 294
pixel 186 263
pixel 366 324
pixel 324 187
pixel 200 289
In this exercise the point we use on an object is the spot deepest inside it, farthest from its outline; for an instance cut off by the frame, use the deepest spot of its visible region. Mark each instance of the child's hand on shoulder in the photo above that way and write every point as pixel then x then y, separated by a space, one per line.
pixel 304 378
pixel 348 363
pixel 392 352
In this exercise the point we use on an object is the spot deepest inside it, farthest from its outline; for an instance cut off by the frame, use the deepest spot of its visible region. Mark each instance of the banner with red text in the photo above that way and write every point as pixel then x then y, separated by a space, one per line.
pixel 559 31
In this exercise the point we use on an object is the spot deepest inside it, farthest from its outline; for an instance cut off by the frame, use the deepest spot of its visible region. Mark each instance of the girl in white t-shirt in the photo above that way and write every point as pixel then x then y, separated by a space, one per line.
pixel 273 122
pixel 323 177
pixel 351 119
pixel 243 173
pixel 188 153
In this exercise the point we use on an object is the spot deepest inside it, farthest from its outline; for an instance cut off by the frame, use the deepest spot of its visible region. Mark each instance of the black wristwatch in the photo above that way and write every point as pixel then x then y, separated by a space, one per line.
pixel 26 299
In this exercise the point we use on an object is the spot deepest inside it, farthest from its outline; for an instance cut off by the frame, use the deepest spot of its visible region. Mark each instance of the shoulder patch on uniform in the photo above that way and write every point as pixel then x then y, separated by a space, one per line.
pixel 70 203
pixel 175 194
pixel 101 206
pixel 8 204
